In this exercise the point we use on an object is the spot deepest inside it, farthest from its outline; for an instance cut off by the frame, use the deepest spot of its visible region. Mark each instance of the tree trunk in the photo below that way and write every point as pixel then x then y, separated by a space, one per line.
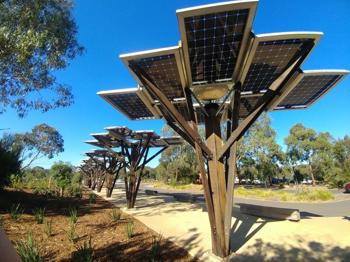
pixel 312 175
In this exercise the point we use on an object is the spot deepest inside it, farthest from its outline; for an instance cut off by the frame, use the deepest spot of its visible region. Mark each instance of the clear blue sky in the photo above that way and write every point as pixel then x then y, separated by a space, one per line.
pixel 108 28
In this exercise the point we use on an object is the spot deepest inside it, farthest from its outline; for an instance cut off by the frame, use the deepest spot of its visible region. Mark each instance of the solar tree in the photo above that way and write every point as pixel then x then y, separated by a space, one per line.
pixel 111 162
pixel 135 147
pixel 86 167
pixel 91 172
pixel 223 76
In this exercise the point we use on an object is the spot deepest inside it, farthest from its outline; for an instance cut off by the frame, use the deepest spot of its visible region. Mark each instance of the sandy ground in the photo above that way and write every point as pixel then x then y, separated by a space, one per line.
pixel 253 239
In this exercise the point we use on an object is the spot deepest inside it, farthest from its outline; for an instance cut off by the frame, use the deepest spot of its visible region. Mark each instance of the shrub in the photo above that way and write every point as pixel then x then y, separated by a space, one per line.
pixel 115 215
pixel 156 247
pixel 84 252
pixel 73 215
pixel 71 232
pixel 39 214
pixel 130 229
pixel 314 195
pixel 48 227
pixel 16 211
pixel 75 190
pixel 28 250
pixel 92 198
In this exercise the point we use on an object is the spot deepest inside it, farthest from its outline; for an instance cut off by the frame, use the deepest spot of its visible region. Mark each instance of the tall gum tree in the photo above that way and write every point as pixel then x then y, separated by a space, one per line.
pixel 37 37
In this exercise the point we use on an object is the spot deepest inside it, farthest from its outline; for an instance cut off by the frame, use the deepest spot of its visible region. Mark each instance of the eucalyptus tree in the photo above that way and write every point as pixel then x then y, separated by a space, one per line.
pixel 259 148
pixel 36 38
pixel 42 141
pixel 10 161
pixel 301 147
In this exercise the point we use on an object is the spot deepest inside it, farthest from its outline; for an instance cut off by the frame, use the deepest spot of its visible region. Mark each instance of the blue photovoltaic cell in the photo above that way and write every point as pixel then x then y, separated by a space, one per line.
pixel 214 41
pixel 131 105
pixel 164 73
pixel 309 89
pixel 271 59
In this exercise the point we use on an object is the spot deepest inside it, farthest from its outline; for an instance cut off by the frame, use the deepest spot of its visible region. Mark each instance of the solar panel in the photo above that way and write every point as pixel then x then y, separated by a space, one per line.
pixel 175 140
pixel 106 140
pixel 94 143
pixel 214 37
pixel 131 102
pixel 247 105
pixel 181 107
pixel 162 66
pixel 143 134
pixel 309 86
pixel 271 55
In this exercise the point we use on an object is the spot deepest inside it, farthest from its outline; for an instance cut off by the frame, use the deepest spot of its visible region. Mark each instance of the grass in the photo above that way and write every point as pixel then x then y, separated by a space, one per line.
pixel 155 248
pixel 130 229
pixel 29 250
pixel 73 215
pixel 39 215
pixel 115 215
pixel 71 234
pixel 84 252
pixel 48 227
pixel 304 195
pixel 194 187
pixel 16 211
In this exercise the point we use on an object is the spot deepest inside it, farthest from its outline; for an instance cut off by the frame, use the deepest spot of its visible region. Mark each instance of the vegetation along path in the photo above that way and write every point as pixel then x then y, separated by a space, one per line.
pixel 326 209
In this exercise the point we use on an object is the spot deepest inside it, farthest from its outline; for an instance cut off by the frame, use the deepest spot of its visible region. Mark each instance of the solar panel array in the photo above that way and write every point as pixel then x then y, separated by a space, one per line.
pixel 271 59
pixel 163 72
pixel 214 41
pixel 131 105
pixel 216 50
pixel 121 135
pixel 309 89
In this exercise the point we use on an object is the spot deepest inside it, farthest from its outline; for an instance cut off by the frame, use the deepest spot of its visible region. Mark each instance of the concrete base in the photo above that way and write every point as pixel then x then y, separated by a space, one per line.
pixel 270 212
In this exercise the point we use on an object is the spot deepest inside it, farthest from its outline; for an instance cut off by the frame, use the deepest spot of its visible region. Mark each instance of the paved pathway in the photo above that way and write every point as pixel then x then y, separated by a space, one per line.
pixel 252 238
pixel 325 209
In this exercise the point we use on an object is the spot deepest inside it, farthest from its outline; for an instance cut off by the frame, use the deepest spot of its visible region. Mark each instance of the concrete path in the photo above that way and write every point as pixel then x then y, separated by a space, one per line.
pixel 324 209
pixel 253 238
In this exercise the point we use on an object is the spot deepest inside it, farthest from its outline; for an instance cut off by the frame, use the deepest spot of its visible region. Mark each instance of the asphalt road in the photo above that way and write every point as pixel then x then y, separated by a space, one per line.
pixel 326 209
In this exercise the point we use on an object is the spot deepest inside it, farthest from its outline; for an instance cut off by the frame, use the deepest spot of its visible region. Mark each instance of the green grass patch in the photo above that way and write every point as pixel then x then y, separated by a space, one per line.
pixel 303 195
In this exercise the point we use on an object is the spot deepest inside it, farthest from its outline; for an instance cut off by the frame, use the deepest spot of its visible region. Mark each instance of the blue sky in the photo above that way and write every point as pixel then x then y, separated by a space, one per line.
pixel 108 28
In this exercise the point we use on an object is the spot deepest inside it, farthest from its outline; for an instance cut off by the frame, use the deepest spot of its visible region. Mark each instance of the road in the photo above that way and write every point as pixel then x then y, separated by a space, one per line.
pixel 326 209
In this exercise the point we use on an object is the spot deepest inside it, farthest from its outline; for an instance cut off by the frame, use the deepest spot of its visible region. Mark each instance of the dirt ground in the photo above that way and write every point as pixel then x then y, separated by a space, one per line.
pixel 109 238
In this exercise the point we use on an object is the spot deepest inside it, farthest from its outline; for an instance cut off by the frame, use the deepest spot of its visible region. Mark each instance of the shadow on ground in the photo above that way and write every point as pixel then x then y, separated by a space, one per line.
pixel 306 252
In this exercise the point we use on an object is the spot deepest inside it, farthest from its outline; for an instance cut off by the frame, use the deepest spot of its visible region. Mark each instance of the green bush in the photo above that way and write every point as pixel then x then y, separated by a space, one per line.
pixel 73 215
pixel 115 215
pixel 39 214
pixel 16 211
pixel 71 232
pixel 84 252
pixel 29 250
pixel 48 227
pixel 156 247
pixel 130 229
pixel 75 190
pixel 92 198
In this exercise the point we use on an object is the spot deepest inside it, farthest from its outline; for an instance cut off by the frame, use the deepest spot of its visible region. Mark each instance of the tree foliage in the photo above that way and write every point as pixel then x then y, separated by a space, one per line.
pixel 10 162
pixel 178 164
pixel 63 174
pixel 42 141
pixel 36 38
pixel 259 155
